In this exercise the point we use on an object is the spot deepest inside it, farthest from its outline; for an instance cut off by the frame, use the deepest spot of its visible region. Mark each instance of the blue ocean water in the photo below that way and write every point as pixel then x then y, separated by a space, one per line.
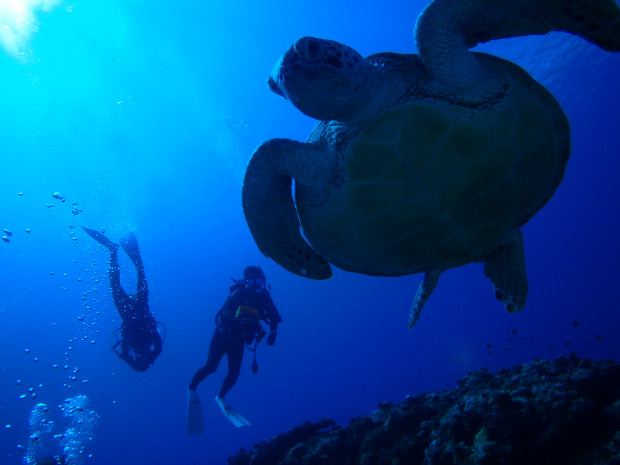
pixel 143 115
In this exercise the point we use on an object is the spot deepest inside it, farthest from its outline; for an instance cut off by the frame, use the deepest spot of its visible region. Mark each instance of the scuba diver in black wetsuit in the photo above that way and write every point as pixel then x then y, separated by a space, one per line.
pixel 57 460
pixel 237 324
pixel 140 341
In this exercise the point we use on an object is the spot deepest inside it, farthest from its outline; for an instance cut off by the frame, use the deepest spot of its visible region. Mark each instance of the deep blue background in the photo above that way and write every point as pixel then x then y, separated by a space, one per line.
pixel 145 113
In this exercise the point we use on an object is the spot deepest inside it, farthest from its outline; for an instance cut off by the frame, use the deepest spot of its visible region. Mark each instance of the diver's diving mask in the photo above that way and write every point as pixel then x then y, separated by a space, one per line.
pixel 255 283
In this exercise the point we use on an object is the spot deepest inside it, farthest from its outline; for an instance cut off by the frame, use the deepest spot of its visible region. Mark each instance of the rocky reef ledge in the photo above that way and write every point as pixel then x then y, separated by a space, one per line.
pixel 565 411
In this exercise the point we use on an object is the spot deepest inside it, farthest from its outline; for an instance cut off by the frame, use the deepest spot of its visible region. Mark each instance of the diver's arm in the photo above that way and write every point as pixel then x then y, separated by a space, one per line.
pixel 274 318
pixel 272 314
pixel 124 356
pixel 157 343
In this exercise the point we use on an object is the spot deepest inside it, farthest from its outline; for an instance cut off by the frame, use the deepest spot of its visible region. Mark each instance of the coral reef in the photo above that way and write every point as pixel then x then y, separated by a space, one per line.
pixel 565 411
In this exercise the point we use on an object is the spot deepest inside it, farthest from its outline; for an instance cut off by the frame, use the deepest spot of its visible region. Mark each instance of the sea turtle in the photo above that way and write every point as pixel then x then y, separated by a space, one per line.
pixel 419 163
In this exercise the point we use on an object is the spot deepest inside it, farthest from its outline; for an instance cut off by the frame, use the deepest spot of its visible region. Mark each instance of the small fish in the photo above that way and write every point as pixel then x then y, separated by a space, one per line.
pixel 6 239
pixel 59 196
pixel 8 232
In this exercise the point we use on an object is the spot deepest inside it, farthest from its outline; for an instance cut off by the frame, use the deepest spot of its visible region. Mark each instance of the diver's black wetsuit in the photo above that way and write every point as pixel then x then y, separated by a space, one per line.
pixel 230 336
pixel 140 341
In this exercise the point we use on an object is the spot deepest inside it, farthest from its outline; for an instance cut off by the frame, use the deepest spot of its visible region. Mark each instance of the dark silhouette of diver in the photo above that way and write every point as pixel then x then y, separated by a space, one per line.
pixel 140 342
pixel 56 460
pixel 237 324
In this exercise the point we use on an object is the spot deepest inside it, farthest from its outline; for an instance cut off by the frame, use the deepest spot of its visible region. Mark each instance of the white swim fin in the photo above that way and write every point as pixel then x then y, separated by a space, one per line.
pixel 195 417
pixel 235 417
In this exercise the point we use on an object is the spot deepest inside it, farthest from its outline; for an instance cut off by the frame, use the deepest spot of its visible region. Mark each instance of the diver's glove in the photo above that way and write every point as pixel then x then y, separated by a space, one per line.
pixel 271 339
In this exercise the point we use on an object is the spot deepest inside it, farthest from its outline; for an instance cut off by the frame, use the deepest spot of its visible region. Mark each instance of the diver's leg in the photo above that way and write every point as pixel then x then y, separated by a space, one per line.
pixel 217 349
pixel 142 286
pixel 129 243
pixel 235 357
pixel 118 294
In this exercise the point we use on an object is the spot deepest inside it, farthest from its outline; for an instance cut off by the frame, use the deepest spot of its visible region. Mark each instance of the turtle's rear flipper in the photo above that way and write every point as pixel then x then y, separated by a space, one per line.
pixel 506 269
pixel 269 208
pixel 425 289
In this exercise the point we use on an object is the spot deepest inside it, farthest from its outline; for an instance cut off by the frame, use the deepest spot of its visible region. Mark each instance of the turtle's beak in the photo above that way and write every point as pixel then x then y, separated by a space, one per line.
pixel 273 85
pixel 299 69
pixel 275 78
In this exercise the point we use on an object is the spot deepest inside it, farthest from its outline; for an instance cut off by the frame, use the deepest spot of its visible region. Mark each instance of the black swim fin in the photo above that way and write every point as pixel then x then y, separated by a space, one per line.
pixel 99 237
pixel 129 243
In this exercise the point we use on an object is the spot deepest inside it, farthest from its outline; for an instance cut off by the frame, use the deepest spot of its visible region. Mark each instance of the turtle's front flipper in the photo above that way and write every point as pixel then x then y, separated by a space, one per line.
pixel 447 29
pixel 506 269
pixel 425 289
pixel 269 208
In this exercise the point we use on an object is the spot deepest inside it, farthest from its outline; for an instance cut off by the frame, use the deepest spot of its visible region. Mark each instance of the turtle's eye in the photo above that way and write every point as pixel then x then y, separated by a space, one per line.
pixel 309 49
pixel 313 48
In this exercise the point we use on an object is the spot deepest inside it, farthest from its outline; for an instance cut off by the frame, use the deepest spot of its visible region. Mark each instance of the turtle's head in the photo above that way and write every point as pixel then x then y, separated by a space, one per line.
pixel 324 79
